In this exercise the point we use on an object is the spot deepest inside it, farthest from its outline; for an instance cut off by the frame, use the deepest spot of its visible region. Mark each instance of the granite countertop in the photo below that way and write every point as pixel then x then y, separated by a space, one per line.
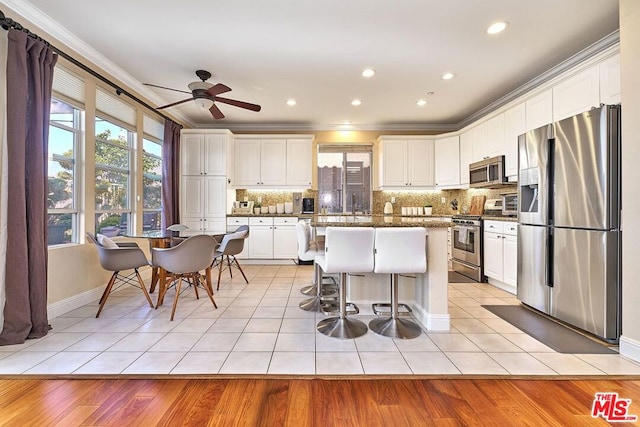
pixel 291 215
pixel 378 221
pixel 500 218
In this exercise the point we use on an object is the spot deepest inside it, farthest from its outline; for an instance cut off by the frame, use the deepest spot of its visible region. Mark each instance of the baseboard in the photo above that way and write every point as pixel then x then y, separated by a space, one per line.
pixel 433 322
pixel 267 261
pixel 630 348
pixel 76 301
pixel 505 287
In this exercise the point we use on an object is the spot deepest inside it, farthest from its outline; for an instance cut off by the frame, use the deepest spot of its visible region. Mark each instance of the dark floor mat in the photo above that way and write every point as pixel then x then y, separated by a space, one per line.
pixel 455 277
pixel 552 334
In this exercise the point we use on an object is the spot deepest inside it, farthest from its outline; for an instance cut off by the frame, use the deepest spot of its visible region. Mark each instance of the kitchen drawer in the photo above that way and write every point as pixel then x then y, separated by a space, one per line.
pixel 494 226
pixel 237 221
pixel 510 228
pixel 285 221
pixel 263 220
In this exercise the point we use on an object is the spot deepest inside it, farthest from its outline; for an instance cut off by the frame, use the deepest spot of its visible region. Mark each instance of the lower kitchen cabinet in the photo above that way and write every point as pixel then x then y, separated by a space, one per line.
pixel 261 238
pixel 285 239
pixel 500 254
pixel 269 237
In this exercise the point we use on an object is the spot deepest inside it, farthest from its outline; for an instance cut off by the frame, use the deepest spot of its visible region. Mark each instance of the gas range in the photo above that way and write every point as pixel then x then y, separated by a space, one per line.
pixel 467 219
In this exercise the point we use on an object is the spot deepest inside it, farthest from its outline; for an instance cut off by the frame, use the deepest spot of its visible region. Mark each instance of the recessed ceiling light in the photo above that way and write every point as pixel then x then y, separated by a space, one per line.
pixel 497 27
pixel 368 72
pixel 421 102
pixel 356 102
pixel 346 123
pixel 448 76
pixel 291 102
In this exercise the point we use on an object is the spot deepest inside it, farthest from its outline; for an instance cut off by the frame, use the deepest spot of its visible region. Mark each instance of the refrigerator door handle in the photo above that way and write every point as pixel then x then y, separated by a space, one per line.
pixel 550 257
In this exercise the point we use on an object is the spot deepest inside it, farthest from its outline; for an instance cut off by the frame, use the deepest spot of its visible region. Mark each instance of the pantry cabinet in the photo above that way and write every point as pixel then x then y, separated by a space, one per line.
pixel 406 162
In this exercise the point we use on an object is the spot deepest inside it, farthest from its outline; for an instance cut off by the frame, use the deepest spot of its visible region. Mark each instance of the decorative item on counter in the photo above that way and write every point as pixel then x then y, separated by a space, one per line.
pixel 454 204
pixel 428 209
pixel 256 208
pixel 404 210
pixel 388 208
pixel 288 207
pixel 271 209
pixel 280 208
pixel 264 209
pixel 420 210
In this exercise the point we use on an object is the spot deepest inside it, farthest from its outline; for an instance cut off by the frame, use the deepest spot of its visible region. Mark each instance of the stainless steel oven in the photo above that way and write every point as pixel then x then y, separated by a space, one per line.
pixel 466 247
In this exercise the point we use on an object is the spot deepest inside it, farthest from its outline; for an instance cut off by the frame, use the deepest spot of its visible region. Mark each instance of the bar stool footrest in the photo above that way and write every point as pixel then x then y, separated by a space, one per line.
pixel 384 309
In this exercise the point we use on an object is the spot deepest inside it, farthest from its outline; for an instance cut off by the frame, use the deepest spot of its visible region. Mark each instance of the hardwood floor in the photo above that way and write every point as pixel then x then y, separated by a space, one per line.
pixel 307 402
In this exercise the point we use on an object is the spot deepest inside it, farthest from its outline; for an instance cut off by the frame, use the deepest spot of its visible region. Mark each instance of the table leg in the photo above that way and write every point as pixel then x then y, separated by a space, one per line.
pixel 154 279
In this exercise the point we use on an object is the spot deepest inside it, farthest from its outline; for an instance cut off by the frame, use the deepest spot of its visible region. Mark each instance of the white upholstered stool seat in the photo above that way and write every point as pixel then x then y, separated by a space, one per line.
pixel 347 250
pixel 398 250
pixel 307 251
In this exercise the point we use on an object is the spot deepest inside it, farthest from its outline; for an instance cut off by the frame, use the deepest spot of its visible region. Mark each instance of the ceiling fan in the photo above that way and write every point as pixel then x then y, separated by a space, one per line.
pixel 207 91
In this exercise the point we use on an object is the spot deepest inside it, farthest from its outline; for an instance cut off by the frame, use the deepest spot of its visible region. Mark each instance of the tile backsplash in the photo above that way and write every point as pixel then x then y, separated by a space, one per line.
pixel 403 198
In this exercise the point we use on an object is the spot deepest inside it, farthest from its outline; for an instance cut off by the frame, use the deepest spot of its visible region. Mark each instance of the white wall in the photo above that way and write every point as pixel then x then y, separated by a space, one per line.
pixel 630 81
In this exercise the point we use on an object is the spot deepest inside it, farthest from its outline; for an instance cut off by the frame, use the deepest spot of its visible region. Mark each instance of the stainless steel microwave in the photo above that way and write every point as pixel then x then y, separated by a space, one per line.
pixel 487 173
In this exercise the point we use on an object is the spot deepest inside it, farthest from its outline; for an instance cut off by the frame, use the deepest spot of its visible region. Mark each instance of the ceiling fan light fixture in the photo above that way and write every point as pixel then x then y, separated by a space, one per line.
pixel 368 72
pixel 497 27
pixel 204 103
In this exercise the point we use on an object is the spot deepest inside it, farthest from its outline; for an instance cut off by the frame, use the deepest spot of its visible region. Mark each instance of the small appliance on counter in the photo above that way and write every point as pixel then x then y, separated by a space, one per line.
pixel 245 208
pixel 308 205
pixel 509 204
pixel 493 207
pixel 297 202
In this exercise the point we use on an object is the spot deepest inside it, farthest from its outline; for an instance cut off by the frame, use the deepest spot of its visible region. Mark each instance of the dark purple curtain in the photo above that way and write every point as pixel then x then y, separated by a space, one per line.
pixel 171 174
pixel 30 65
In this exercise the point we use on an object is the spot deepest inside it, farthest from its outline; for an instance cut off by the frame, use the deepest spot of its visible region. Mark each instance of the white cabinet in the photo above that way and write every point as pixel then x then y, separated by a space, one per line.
pixel 488 139
pixel 203 154
pixel 203 180
pixel 447 162
pixel 261 237
pixel 500 253
pixel 272 161
pixel 610 80
pixel 539 110
pixel 406 162
pixel 577 94
pixel 514 126
pixel 299 160
pixel 285 238
pixel 466 154
pixel 271 238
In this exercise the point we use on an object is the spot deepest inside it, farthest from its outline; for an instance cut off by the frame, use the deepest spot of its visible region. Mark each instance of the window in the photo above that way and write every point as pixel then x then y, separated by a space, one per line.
pixel 151 184
pixel 344 178
pixel 112 177
pixel 64 133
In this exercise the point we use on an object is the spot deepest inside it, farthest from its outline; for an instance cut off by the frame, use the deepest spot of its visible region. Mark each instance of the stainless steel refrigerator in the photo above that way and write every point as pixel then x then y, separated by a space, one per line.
pixel 569 239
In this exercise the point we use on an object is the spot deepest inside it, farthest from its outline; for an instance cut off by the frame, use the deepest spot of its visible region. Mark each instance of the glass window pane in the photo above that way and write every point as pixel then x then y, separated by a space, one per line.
pixel 60 228
pixel 60 141
pixel 151 192
pixel 152 147
pixel 344 182
pixel 62 113
pixel 112 224
pixel 151 220
pixel 112 189
pixel 109 132
pixel 60 178
pixel 109 155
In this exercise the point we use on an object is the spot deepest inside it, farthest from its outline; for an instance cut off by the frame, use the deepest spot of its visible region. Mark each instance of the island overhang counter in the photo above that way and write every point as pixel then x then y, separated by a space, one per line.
pixel 426 294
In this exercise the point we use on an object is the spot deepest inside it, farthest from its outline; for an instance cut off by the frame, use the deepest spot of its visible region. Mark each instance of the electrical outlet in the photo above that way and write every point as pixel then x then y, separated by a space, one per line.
pixel 444 200
pixel 393 200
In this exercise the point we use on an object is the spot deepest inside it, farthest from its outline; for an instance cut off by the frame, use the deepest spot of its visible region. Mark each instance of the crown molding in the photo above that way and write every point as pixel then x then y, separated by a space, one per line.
pixel 310 127
pixel 78 47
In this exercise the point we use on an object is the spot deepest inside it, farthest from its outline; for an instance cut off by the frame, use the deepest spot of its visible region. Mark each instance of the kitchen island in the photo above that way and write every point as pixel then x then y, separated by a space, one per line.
pixel 426 294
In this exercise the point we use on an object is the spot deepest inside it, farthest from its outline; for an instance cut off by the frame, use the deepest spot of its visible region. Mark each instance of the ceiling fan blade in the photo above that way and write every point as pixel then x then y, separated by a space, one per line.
pixel 168 88
pixel 175 103
pixel 215 112
pixel 217 89
pixel 236 103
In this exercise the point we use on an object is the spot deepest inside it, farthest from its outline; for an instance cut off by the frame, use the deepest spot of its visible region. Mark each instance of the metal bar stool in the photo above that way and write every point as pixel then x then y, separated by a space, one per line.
pixel 398 251
pixel 347 250
pixel 307 251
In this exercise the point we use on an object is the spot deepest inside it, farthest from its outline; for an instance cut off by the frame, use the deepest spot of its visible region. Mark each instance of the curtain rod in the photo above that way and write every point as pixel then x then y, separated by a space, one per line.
pixel 7 23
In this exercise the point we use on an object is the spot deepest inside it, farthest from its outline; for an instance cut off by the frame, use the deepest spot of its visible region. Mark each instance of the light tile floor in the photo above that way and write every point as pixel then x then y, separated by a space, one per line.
pixel 259 329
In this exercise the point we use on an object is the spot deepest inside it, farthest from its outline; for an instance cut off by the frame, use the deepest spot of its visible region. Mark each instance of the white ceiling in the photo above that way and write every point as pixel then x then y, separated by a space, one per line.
pixel 268 51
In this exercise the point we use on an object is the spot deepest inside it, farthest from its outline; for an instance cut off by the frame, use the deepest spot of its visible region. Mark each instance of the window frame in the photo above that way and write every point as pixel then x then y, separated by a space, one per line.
pixel 152 139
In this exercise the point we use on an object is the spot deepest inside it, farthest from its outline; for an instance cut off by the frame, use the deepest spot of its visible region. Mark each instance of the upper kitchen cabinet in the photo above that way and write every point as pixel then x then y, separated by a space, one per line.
pixel 204 152
pixel 488 139
pixel 577 93
pixel 610 80
pixel 466 154
pixel 447 162
pixel 514 126
pixel 299 160
pixel 539 110
pixel 406 162
pixel 262 161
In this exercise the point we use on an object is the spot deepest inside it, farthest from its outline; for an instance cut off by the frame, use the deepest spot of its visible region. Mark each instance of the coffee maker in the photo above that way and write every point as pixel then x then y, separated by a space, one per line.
pixel 308 205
